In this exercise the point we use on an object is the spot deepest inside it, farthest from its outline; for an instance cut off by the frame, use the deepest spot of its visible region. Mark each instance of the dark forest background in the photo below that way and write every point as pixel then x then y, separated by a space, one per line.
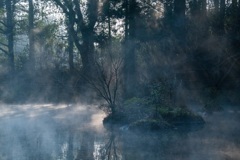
pixel 158 52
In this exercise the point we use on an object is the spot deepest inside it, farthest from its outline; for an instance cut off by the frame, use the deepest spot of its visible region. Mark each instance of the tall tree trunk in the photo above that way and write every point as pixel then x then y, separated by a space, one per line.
pixel 204 8
pixel 234 3
pixel 194 8
pixel 70 22
pixel 234 32
pixel 168 9
pixel 180 20
pixel 130 79
pixel 126 25
pixel 87 53
pixel 216 5
pixel 179 8
pixel 109 20
pixel 31 66
pixel 85 42
pixel 239 6
pixel 70 54
pixel 109 30
pixel 222 17
pixel 132 18
pixel 10 33
pixel 86 49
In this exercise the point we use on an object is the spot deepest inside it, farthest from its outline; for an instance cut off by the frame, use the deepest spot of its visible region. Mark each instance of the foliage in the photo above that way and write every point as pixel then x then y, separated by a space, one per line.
pixel 154 112
pixel 161 92
pixel 136 109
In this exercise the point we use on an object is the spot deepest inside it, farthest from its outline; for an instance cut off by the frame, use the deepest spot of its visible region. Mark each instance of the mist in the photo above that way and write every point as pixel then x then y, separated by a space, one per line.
pixel 119 80
pixel 48 131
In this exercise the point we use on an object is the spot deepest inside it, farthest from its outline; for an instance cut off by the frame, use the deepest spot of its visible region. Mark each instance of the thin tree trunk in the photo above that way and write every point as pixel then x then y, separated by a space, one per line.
pixel 180 20
pixel 216 5
pixel 87 53
pixel 70 45
pixel 70 54
pixel 109 21
pixel 109 32
pixel 239 5
pixel 10 34
pixel 126 19
pixel 222 16
pixel 130 79
pixel 234 3
pixel 31 36
pixel 204 8
pixel 132 18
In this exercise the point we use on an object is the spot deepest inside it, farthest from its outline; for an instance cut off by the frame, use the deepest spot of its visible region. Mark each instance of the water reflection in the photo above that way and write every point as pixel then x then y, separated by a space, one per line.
pixel 76 134
pixel 87 147
pixel 111 149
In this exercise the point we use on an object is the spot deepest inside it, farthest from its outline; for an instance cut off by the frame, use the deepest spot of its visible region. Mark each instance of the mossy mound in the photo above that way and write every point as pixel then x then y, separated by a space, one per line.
pixel 118 119
pixel 149 125
pixel 181 117
pixel 164 119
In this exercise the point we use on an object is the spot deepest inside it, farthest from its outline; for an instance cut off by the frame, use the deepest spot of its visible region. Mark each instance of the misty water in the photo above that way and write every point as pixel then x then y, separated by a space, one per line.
pixel 74 132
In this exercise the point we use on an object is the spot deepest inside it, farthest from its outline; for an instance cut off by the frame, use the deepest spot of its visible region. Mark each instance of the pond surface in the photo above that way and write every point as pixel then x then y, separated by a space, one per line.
pixel 75 132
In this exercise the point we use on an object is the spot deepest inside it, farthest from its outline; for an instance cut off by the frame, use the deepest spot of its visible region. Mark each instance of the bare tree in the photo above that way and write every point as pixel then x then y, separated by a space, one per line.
pixel 106 82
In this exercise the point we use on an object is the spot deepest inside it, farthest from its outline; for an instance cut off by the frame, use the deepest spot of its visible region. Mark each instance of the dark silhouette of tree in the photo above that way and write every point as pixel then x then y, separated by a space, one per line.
pixel 219 17
pixel 8 24
pixel 130 77
pixel 180 19
pixel 78 24
pixel 172 36
pixel 222 17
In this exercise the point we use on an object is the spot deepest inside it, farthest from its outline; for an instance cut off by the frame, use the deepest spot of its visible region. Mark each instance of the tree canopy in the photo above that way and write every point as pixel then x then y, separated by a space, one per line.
pixel 194 43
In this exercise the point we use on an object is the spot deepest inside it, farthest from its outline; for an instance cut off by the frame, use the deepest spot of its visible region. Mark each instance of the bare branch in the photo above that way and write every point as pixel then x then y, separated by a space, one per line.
pixel 4 51
pixel 22 8
pixel 106 81
pixel 63 6
pixel 2 30
pixel 100 81
pixel 4 24
pixel 3 44
pixel 150 6
pixel 97 88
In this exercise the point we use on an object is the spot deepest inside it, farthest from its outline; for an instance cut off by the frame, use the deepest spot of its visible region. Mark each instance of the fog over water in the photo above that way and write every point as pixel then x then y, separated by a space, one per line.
pixel 43 131
pixel 74 132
